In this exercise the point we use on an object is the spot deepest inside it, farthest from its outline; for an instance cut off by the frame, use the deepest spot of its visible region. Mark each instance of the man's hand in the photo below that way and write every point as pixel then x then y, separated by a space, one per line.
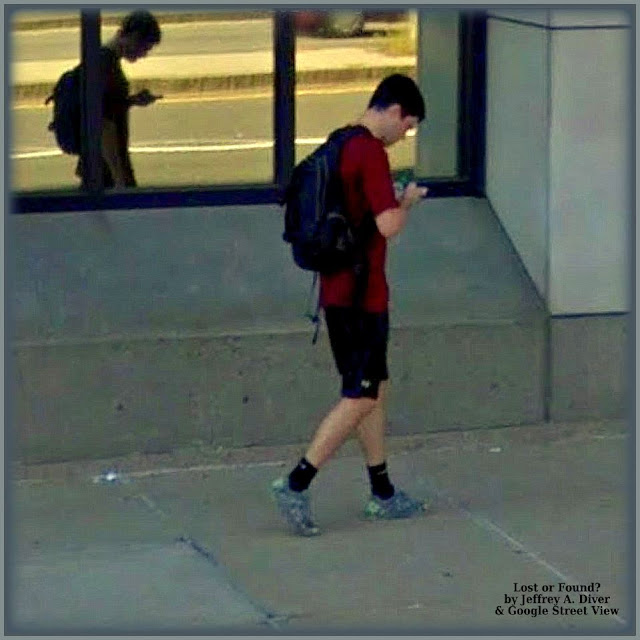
pixel 143 98
pixel 412 194
pixel 392 221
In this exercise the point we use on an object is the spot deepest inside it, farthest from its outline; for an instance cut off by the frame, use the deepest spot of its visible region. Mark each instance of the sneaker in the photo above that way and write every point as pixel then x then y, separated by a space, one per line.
pixel 294 507
pixel 400 505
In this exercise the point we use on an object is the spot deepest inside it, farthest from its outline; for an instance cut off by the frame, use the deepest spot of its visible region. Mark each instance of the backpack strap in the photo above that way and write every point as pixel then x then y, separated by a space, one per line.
pixel 314 317
pixel 340 136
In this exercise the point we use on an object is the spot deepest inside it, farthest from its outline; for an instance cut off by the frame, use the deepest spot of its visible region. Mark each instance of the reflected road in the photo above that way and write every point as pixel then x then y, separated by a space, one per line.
pixel 216 141
pixel 177 39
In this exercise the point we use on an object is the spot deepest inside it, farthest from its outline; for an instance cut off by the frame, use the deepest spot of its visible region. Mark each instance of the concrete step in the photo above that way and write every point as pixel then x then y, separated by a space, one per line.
pixel 112 398
pixel 146 331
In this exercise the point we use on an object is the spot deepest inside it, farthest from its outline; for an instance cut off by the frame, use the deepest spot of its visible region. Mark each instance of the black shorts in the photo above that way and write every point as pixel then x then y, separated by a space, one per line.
pixel 359 344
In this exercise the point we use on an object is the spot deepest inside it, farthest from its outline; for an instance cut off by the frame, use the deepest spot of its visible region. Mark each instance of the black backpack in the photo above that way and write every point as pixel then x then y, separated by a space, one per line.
pixel 322 238
pixel 66 123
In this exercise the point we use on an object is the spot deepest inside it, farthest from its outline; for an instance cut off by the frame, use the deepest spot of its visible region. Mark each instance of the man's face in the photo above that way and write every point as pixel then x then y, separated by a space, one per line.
pixel 396 125
pixel 133 48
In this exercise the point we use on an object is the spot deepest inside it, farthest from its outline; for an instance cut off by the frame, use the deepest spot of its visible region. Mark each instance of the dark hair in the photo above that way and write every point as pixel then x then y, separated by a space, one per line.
pixel 402 90
pixel 142 24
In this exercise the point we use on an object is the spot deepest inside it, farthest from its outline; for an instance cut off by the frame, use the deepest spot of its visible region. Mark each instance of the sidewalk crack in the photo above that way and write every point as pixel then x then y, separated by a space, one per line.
pixel 273 620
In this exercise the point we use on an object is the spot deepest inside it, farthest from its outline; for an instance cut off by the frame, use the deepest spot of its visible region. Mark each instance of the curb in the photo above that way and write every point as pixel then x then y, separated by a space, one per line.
pixel 175 86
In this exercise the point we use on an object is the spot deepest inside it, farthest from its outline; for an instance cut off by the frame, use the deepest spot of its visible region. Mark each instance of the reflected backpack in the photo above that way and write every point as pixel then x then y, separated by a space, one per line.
pixel 66 121
pixel 321 236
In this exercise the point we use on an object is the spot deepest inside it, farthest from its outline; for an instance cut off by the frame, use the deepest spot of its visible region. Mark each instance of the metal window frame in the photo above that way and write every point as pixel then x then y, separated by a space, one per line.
pixel 471 134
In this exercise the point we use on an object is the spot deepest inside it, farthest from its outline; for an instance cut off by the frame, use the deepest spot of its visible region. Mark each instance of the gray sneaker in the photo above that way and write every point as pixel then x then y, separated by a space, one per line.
pixel 400 505
pixel 294 507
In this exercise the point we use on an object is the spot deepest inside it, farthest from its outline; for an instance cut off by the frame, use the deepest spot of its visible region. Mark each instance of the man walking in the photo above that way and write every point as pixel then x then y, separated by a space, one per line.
pixel 358 332
pixel 137 35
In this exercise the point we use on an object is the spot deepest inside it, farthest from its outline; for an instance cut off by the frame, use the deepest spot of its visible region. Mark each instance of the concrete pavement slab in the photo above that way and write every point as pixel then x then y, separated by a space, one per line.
pixel 102 590
pixel 97 559
pixel 446 571
pixel 533 506
pixel 562 497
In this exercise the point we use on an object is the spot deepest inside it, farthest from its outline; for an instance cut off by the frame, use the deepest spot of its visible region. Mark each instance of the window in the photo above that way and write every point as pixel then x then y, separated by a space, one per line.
pixel 341 56
pixel 232 122
pixel 214 124
pixel 44 44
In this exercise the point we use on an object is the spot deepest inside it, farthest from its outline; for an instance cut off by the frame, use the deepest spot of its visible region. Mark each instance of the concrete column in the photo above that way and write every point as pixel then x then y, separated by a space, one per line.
pixel 590 202
pixel 558 150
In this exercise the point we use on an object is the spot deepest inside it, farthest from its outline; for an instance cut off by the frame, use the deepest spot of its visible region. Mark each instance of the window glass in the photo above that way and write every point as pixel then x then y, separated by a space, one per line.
pixel 341 56
pixel 214 124
pixel 214 68
pixel 43 44
pixel 438 76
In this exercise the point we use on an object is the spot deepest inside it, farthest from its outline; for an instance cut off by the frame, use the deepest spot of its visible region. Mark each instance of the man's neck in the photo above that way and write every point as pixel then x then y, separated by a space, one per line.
pixel 115 46
pixel 371 120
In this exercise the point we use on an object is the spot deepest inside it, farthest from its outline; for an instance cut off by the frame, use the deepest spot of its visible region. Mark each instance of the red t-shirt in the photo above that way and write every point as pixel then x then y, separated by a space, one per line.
pixel 368 187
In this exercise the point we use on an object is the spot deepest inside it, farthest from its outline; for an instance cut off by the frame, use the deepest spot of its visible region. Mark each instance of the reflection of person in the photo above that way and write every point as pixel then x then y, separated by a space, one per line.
pixel 358 333
pixel 137 35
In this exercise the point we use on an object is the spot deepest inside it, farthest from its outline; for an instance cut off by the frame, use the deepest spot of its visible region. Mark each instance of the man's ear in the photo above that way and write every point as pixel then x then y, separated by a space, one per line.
pixel 395 110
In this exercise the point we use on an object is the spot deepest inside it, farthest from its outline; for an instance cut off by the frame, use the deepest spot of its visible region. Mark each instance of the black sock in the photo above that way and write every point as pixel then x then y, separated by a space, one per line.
pixel 380 484
pixel 300 478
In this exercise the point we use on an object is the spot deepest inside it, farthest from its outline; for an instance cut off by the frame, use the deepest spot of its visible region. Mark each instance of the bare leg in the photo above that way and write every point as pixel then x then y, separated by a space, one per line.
pixel 370 431
pixel 336 428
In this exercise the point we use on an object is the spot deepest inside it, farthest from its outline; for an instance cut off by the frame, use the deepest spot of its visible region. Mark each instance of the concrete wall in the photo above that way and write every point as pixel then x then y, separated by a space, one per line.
pixel 164 272
pixel 558 151
pixel 590 205
pixel 517 153
pixel 147 330
pixel 558 178
pixel 591 367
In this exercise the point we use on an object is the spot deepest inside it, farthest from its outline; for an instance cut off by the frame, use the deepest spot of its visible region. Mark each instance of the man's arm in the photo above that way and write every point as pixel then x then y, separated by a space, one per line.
pixel 142 99
pixel 392 221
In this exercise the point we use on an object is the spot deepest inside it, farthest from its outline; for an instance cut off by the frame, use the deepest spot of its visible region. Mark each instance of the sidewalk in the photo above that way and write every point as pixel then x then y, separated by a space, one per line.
pixel 191 543
pixel 34 79
pixel 220 64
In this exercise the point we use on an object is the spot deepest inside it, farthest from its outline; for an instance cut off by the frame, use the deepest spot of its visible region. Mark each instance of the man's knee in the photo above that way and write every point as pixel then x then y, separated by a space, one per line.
pixel 363 406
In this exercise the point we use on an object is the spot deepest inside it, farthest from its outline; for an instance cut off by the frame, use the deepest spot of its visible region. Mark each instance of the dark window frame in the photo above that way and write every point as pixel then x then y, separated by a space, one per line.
pixel 471 134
